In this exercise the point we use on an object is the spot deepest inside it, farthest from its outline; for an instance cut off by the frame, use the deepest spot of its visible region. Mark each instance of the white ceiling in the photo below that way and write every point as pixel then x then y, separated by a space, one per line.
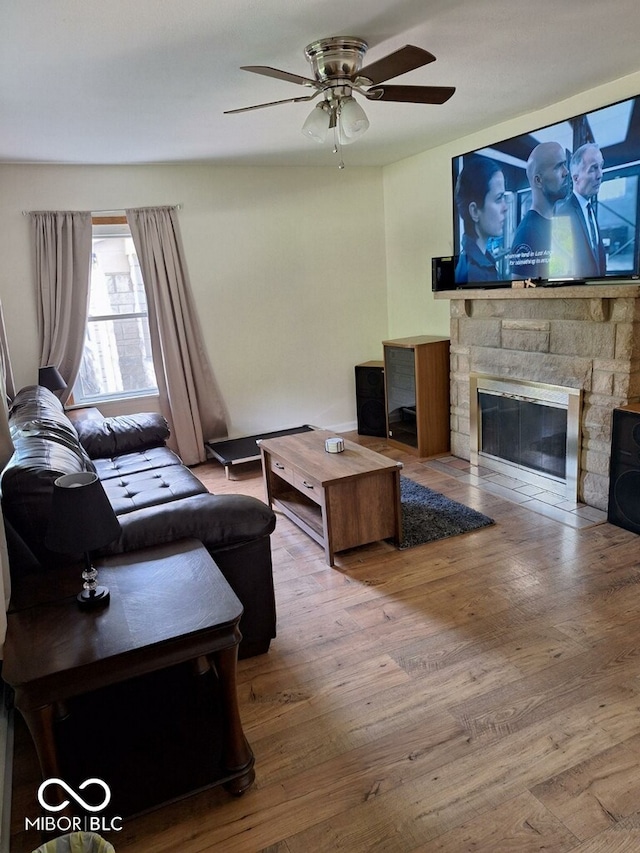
pixel 147 81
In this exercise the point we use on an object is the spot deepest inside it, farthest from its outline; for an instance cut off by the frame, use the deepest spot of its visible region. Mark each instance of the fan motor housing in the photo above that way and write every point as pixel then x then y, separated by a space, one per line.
pixel 336 57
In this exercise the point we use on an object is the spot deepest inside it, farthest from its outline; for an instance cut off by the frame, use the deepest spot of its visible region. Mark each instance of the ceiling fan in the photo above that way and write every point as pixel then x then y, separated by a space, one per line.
pixel 338 73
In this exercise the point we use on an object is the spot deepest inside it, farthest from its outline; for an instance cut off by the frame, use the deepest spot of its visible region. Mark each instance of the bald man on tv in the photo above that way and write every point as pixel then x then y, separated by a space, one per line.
pixel 548 178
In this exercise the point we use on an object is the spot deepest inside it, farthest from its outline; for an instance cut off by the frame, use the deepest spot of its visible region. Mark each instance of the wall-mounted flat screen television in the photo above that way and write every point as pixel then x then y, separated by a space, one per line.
pixel 558 205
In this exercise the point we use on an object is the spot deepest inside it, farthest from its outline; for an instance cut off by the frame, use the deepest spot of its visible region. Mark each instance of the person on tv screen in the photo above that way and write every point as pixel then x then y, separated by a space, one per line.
pixel 481 203
pixel 578 251
pixel 548 178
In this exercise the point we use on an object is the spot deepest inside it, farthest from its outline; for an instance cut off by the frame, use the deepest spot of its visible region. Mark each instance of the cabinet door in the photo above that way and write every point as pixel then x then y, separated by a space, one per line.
pixel 400 375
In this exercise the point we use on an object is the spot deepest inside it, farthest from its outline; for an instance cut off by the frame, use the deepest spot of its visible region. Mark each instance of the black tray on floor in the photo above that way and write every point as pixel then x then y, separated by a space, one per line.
pixel 235 450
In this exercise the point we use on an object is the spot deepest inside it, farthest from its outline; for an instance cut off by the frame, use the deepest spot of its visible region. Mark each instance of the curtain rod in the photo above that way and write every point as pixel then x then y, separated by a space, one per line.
pixel 108 209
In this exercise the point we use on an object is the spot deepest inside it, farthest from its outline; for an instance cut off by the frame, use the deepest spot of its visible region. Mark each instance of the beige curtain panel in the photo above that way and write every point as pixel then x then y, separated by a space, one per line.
pixel 62 264
pixel 189 396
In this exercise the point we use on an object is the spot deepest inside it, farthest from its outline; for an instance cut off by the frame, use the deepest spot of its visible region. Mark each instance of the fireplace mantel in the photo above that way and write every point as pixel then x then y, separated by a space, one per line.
pixel 583 291
pixel 580 336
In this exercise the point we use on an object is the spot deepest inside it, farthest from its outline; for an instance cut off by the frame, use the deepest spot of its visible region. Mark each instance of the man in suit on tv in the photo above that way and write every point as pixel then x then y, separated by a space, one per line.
pixel 578 250
pixel 548 178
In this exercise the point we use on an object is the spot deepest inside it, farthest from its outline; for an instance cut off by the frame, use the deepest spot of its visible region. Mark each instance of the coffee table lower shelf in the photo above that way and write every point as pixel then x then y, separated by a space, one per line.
pixel 303 512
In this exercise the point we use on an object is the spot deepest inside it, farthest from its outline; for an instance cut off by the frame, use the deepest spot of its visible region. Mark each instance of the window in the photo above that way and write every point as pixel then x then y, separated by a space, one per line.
pixel 117 360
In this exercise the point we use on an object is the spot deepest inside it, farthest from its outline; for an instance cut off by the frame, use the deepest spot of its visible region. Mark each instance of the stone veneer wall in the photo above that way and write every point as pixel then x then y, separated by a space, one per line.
pixel 584 337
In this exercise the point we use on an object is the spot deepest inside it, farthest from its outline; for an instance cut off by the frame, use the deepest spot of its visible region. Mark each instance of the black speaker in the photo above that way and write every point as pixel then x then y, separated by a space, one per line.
pixel 624 470
pixel 443 274
pixel 370 399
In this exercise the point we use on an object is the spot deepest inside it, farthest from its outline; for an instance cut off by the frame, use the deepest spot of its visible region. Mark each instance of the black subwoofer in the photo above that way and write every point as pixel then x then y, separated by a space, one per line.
pixel 370 399
pixel 624 471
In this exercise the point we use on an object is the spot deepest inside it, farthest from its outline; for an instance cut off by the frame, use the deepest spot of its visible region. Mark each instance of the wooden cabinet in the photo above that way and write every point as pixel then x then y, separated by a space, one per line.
pixel 417 394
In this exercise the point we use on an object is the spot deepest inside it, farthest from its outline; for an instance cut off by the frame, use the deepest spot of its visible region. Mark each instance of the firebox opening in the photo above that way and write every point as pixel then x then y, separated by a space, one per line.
pixel 528 430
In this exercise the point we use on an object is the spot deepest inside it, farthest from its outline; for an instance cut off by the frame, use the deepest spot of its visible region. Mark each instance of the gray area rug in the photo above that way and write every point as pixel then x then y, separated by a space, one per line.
pixel 428 515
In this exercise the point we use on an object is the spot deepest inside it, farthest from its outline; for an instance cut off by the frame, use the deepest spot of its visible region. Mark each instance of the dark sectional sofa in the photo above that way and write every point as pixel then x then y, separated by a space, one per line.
pixel 156 498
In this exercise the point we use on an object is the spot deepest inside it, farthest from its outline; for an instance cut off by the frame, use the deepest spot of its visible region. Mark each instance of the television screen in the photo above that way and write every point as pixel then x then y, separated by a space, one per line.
pixel 558 205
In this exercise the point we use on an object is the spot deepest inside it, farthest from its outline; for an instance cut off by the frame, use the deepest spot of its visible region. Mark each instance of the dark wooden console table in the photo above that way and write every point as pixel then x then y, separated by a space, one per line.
pixel 170 606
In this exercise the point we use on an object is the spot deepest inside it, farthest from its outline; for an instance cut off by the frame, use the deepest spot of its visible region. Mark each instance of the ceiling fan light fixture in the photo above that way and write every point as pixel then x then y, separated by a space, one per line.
pixel 337 66
pixel 353 120
pixel 317 124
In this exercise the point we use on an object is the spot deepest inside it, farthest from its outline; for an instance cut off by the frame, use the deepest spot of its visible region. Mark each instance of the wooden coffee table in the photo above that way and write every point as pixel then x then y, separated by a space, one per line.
pixel 169 605
pixel 342 500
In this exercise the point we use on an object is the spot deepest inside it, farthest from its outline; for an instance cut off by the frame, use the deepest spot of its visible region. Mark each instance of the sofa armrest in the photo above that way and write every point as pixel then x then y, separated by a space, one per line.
pixel 122 434
pixel 216 520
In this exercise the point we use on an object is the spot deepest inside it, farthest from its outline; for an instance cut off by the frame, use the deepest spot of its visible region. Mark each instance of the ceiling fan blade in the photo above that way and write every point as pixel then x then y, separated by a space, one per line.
pixel 399 62
pixel 273 104
pixel 411 94
pixel 279 75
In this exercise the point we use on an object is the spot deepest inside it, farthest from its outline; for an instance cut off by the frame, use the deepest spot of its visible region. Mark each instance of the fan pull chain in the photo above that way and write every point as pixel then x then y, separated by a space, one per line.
pixel 337 145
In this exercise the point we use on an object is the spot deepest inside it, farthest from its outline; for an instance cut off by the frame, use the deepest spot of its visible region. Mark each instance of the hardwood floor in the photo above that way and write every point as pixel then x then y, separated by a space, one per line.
pixel 480 693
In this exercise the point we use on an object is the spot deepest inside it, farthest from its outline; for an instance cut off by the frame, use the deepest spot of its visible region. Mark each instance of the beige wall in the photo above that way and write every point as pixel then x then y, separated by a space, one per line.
pixel 287 269
pixel 418 210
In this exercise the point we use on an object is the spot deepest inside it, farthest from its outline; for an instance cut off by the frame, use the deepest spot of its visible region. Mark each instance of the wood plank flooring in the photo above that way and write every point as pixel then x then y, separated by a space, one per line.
pixel 480 693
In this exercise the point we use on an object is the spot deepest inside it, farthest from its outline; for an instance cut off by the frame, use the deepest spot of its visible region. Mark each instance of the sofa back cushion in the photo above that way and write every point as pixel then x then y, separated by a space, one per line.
pixel 37 413
pixel 103 439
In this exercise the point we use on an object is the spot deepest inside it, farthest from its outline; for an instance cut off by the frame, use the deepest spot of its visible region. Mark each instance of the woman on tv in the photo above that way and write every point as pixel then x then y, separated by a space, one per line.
pixel 481 203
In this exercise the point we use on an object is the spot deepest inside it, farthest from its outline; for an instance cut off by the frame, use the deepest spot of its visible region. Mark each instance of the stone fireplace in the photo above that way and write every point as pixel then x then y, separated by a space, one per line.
pixel 581 337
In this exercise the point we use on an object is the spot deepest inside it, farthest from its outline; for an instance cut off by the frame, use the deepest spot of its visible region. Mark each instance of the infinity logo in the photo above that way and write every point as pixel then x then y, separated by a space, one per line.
pixel 54 781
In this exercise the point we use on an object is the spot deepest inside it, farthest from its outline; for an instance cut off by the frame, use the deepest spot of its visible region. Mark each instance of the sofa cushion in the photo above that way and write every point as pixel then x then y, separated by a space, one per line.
pixel 134 463
pixel 35 398
pixel 122 434
pixel 37 413
pixel 150 488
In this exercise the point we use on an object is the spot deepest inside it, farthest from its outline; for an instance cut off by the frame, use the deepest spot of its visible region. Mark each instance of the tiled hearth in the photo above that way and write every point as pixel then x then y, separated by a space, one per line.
pixel 572 513
pixel 585 337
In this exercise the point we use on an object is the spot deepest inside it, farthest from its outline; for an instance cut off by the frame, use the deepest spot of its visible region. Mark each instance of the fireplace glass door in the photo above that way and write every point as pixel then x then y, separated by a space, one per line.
pixel 528 434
